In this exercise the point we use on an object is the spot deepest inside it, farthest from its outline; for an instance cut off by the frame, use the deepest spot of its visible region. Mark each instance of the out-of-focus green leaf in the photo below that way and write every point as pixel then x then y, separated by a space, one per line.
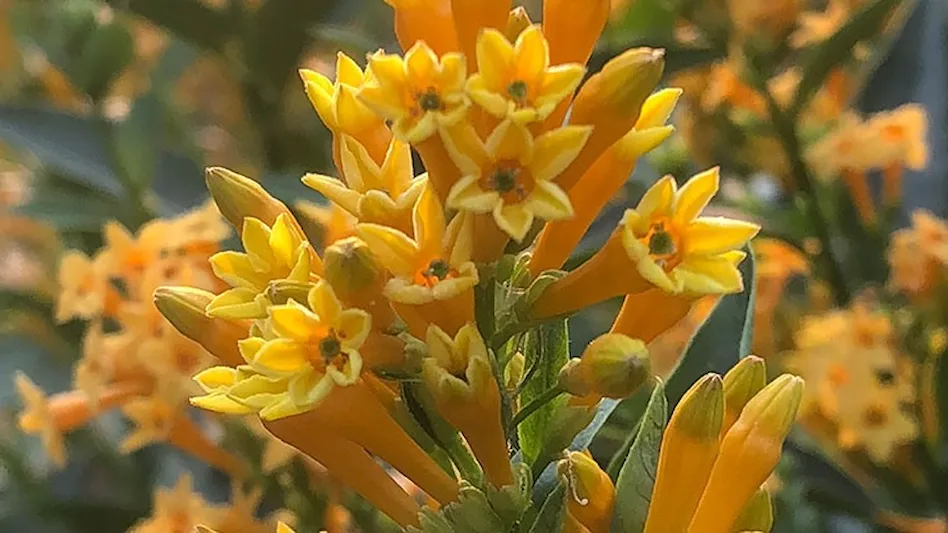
pixel 551 515
pixel 838 48
pixel 546 351
pixel 75 146
pixel 189 19
pixel 654 19
pixel 105 54
pixel 134 140
pixel 637 477
pixel 721 341
pixel 71 213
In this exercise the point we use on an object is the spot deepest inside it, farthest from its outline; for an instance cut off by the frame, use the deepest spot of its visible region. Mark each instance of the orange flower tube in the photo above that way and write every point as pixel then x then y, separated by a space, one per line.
pixel 425 20
pixel 472 16
pixel 648 314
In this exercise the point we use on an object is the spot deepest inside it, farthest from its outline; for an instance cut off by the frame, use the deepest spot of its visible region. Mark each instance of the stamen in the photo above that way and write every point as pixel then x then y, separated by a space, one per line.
pixel 661 242
pixel 518 91
pixel 429 100
pixel 330 347
pixel 439 269
pixel 504 180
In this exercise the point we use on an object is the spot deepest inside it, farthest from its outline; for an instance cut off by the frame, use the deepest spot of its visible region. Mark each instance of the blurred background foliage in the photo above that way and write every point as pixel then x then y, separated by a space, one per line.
pixel 110 109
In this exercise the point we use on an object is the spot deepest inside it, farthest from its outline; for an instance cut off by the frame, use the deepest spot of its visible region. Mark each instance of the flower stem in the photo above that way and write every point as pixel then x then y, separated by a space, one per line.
pixel 535 404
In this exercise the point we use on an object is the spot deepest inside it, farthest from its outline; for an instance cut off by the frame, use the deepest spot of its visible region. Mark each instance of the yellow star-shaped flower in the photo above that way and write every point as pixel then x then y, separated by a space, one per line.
pixel 271 254
pixel 419 92
pixel 511 173
pixel 516 81
pixel 382 194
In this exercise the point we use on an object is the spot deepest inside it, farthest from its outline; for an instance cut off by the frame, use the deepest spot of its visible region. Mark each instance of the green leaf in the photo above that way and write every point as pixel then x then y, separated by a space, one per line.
pixel 189 19
pixel 69 213
pixel 721 341
pixel 134 143
pixel 552 513
pixel 75 146
pixel 105 54
pixel 654 19
pixel 838 48
pixel 637 477
pixel 546 351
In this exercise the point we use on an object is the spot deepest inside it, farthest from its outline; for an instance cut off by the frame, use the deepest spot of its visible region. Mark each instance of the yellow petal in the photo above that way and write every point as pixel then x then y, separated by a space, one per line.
pixel 309 386
pixel 280 356
pixel 220 403
pixel 453 73
pixel 397 168
pixel 549 202
pixel 658 108
pixel 559 82
pixel 514 219
pixel 428 222
pixel 354 327
pixel 389 71
pixel 295 321
pixel 348 71
pixel 510 142
pixel 282 406
pixel 421 62
pixel 532 55
pixel 495 59
pixel 235 303
pixel 385 101
pixel 322 300
pixel 393 248
pixel 556 149
pixel 714 235
pixel 215 378
pixel 465 148
pixel 255 236
pixel 283 240
pixel 695 195
pixel 709 275
pixel 320 92
pixel 236 269
pixel 351 113
pixel 335 191
pixel 249 347
pixel 468 195
pixel 658 199
pixel 350 373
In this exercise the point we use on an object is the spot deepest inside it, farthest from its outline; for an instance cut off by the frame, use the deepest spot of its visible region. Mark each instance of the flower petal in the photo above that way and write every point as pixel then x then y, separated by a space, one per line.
pixel 558 83
pixel 324 303
pixel 532 55
pixel 309 387
pixel 556 149
pixel 510 142
pixel 295 321
pixel 428 221
pixel 334 190
pixel 709 275
pixel 658 199
pixel 695 194
pixel 714 235
pixel 466 194
pixel 393 248
pixel 354 326
pixel 216 377
pixel 549 202
pixel 280 356
pixel 514 219
pixel 350 373
pixel 495 59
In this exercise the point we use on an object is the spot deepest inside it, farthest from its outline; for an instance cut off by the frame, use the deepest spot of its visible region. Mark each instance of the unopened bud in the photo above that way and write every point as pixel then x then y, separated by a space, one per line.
pixel 517 21
pixel 239 197
pixel 351 268
pixel 774 409
pixel 700 414
pixel 513 372
pixel 758 514
pixel 741 383
pixel 283 290
pixel 184 308
pixel 613 366
pixel 590 495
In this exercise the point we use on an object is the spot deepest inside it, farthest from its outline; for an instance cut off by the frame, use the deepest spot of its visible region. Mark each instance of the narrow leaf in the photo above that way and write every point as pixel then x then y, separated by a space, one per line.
pixel 551 515
pixel 721 341
pixel 637 477
pixel 546 351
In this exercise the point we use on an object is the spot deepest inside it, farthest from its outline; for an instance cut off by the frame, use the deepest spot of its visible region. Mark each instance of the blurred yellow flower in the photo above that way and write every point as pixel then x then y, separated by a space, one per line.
pixel 84 285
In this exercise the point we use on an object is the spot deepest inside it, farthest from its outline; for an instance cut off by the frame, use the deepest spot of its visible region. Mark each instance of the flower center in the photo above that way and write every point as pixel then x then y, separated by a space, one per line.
pixel 504 180
pixel 518 91
pixel 429 100
pixel 438 269
pixel 663 245
pixel 876 416
pixel 330 347
pixel 510 180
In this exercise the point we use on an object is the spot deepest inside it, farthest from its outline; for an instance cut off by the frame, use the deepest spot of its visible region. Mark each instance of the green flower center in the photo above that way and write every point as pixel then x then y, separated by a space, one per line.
pixel 504 180
pixel 518 91
pixel 439 269
pixel 330 347
pixel 430 100
pixel 661 242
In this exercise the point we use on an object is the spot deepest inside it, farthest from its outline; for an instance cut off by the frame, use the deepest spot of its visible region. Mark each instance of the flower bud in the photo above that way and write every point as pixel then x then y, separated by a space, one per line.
pixel 513 372
pixel 688 451
pixel 239 197
pixel 613 366
pixel 611 102
pixel 758 514
pixel 741 383
pixel 184 308
pixel 750 451
pixel 352 269
pixel 590 495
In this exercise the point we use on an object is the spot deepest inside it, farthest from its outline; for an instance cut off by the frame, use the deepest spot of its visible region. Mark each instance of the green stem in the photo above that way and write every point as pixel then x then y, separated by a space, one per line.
pixel 462 457
pixel 786 131
pixel 535 404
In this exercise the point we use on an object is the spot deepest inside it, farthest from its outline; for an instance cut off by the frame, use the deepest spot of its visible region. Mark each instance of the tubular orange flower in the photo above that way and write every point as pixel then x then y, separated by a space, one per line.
pixel 611 102
pixel 351 465
pixel 425 20
pixel 590 496
pixel 458 374
pixel 238 196
pixel 471 17
pixel 646 315
pixel 687 455
pixel 184 308
pixel 516 81
pixel 272 253
pixel 511 174
pixel 418 93
pixel 741 384
pixel 749 453
pixel 433 276
pixel 573 28
pixel 382 194
pixel 342 112
pixel 602 181
pixel 669 246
